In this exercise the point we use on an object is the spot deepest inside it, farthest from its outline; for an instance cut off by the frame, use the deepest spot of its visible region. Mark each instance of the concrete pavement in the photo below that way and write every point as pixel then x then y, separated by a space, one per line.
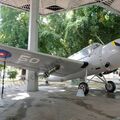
pixel 60 103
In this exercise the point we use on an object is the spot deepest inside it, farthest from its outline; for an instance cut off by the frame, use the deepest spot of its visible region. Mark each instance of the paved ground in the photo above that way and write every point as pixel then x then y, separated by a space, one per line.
pixel 60 103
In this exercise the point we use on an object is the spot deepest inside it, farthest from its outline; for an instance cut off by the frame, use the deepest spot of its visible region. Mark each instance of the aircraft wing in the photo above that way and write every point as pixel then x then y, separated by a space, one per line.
pixel 40 62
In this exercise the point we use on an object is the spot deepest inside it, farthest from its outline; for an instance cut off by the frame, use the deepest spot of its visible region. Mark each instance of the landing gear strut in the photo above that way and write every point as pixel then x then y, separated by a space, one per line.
pixel 84 87
pixel 109 85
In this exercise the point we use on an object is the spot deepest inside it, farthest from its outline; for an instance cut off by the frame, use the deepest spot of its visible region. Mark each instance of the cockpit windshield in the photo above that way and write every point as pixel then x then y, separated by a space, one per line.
pixel 85 52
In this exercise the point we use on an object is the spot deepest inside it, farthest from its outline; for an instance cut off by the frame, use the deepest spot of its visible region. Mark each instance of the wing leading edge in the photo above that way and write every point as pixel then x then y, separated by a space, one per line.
pixel 42 63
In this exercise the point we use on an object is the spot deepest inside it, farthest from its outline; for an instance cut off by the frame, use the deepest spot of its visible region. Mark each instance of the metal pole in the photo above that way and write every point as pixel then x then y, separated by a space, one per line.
pixel 3 79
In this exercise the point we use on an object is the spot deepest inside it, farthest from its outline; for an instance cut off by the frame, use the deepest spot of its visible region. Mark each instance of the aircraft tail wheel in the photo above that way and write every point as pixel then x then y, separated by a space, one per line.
pixel 84 87
pixel 110 86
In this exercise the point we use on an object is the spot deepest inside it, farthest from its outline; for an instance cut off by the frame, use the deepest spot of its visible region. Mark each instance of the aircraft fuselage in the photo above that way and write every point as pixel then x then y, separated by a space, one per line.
pixel 101 58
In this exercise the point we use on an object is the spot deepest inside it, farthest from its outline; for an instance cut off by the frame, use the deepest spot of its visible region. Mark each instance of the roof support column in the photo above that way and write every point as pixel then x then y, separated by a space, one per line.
pixel 31 76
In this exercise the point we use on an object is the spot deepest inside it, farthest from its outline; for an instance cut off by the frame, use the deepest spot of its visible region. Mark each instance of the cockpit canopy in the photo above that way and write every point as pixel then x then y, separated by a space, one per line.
pixel 85 52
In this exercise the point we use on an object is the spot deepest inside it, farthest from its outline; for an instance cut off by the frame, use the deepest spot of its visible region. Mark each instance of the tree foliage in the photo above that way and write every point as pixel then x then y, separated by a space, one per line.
pixel 14 27
pixel 61 34
pixel 12 74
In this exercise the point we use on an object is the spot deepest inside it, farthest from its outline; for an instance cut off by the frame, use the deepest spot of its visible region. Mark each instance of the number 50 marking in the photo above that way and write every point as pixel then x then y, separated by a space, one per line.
pixel 25 58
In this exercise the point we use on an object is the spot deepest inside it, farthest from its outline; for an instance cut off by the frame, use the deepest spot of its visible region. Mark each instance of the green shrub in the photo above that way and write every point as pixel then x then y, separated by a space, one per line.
pixel 12 74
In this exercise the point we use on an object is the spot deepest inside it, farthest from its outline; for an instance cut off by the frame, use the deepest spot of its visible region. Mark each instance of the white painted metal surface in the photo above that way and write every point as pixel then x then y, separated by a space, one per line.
pixel 31 76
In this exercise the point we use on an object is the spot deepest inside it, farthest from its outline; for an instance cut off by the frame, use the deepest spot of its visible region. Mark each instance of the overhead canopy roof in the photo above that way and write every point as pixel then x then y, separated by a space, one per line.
pixel 51 6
